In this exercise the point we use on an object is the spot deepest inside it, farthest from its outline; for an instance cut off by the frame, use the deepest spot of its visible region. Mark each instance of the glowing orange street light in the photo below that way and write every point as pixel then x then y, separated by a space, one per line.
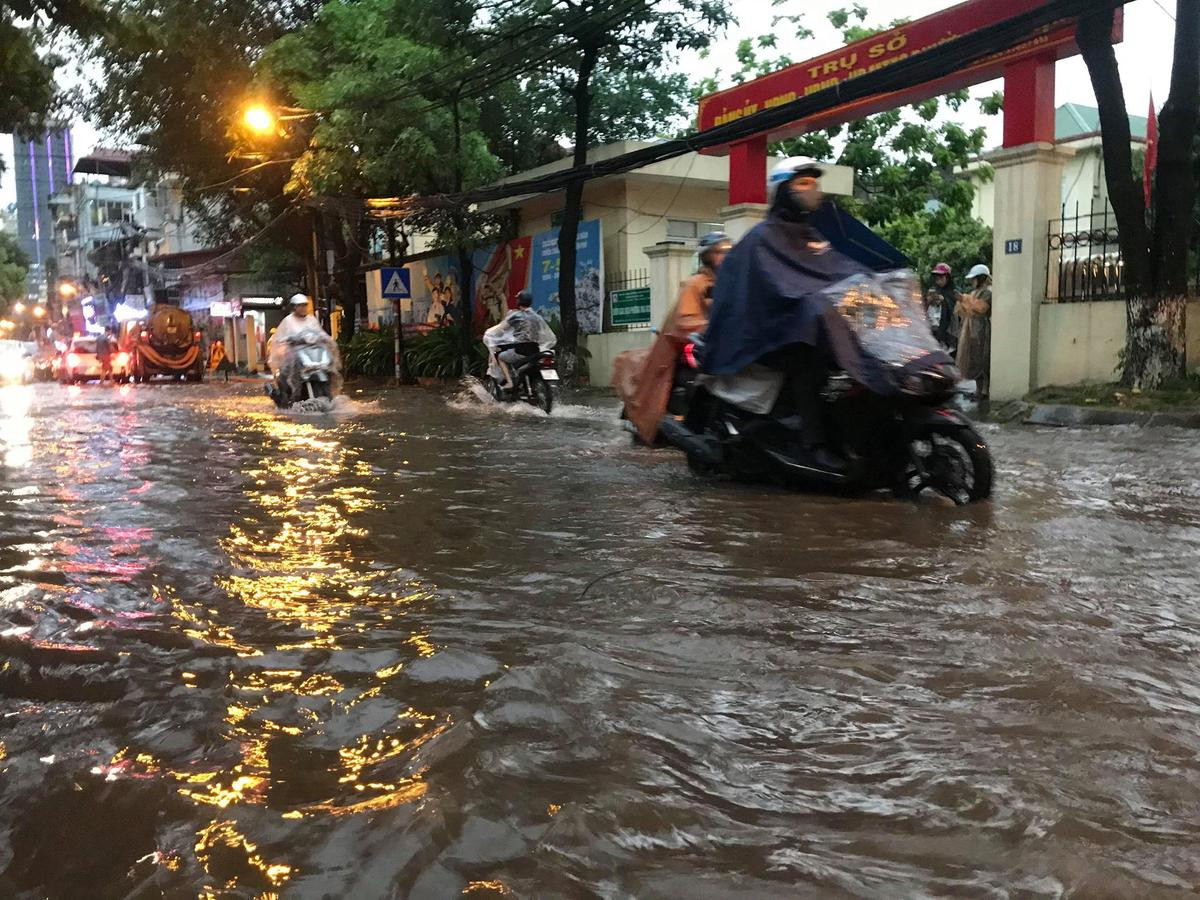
pixel 39 311
pixel 18 308
pixel 66 289
pixel 258 118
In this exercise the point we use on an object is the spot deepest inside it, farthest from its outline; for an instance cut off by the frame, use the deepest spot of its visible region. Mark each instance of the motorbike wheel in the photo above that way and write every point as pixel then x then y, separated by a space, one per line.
pixel 957 463
pixel 493 388
pixel 320 390
pixel 541 395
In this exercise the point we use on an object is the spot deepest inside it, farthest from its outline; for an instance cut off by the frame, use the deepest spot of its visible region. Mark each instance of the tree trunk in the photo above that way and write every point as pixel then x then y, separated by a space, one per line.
pixel 568 234
pixel 348 258
pixel 1175 184
pixel 465 299
pixel 1155 339
pixel 1155 342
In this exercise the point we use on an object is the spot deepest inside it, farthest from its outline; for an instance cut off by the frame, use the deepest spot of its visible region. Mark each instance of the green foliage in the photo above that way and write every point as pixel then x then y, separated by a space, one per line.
pixel 438 354
pixel 27 76
pixel 377 74
pixel 435 354
pixel 14 267
pixel 177 74
pixel 942 235
pixel 370 353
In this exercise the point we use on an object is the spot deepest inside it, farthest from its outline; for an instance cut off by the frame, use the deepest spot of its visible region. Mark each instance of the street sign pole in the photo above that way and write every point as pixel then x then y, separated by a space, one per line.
pixel 399 351
pixel 396 285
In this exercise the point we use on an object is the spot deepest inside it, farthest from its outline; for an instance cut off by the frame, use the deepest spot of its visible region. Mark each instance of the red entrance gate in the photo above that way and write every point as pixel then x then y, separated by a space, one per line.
pixel 1027 68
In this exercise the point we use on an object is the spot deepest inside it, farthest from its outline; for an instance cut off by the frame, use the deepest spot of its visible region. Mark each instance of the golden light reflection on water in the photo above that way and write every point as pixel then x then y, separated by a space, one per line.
pixel 16 425
pixel 293 562
pixel 222 836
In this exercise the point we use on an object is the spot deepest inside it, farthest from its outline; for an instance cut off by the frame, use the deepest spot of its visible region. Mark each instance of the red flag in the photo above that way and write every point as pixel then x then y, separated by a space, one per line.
pixel 518 275
pixel 1151 152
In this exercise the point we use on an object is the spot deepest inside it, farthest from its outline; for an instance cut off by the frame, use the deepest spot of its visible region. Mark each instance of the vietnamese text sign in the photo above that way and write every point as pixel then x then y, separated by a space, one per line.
pixel 630 307
pixel 884 49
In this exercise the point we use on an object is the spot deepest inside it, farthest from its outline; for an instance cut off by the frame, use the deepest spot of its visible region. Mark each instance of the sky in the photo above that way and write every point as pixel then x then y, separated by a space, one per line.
pixel 1144 59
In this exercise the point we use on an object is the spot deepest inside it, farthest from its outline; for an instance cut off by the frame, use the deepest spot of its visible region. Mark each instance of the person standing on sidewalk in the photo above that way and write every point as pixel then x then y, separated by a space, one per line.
pixel 975 336
pixel 940 302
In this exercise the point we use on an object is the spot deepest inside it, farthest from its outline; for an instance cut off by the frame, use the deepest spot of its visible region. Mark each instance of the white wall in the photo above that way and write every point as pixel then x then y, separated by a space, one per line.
pixel 1081 341
pixel 603 347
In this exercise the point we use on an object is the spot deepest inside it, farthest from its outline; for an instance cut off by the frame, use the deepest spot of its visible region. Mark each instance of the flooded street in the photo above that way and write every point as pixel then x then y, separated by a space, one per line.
pixel 425 647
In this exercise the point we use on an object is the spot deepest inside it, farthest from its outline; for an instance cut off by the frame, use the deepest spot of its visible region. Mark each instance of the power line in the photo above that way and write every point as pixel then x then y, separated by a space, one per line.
pixel 917 69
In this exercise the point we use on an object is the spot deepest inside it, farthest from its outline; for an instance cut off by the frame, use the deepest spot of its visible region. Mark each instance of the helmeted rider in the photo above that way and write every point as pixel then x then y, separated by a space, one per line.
pixel 519 336
pixel 644 377
pixel 299 321
pixel 940 301
pixel 762 314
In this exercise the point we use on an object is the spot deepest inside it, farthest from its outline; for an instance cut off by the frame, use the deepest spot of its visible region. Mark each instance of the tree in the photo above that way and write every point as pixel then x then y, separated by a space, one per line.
pixel 1155 247
pixel 176 78
pixel 384 78
pixel 14 266
pixel 596 42
pixel 27 67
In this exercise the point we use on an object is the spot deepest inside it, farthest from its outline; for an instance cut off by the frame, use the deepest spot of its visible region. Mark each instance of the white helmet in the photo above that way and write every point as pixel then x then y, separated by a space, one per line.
pixel 298 300
pixel 787 169
pixel 978 270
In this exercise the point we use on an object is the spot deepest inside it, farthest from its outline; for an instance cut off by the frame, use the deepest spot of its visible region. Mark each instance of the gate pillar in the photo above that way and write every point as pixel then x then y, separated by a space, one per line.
pixel 1028 192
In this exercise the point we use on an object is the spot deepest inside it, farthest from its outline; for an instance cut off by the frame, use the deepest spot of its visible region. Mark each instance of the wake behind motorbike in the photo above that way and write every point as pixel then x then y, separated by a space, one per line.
pixel 308 372
pixel 534 376
pixel 888 411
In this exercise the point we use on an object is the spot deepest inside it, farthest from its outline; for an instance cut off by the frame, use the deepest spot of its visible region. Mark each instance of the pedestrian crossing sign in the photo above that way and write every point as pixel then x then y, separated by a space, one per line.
pixel 397 283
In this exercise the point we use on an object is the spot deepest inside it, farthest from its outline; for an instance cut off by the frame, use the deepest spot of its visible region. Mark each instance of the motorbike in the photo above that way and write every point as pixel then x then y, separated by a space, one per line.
pixel 309 371
pixel 534 378
pixel 683 385
pixel 887 408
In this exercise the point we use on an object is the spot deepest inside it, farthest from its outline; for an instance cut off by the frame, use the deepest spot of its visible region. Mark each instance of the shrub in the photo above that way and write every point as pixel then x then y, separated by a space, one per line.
pixel 370 352
pixel 438 354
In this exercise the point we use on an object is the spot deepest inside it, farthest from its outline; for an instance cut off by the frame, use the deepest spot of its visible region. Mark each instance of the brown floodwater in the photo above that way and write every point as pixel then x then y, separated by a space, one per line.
pixel 425 647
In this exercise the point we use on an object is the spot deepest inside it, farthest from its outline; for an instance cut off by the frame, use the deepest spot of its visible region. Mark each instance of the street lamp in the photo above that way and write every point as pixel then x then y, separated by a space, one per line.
pixel 19 308
pixel 39 312
pixel 258 118
pixel 66 290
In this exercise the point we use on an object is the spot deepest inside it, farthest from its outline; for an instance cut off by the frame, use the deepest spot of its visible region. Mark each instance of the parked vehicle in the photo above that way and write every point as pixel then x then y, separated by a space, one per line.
pixel 535 377
pixel 893 420
pixel 166 343
pixel 79 362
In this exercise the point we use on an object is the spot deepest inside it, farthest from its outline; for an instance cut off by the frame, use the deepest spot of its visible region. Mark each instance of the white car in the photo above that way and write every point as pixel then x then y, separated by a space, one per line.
pixel 16 364
pixel 80 363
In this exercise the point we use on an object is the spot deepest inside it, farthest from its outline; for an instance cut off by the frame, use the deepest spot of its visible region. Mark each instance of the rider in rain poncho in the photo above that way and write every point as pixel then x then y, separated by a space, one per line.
pixel 519 336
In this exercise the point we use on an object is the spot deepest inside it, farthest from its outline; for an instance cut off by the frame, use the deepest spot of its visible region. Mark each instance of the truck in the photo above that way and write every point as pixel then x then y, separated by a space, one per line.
pixel 166 343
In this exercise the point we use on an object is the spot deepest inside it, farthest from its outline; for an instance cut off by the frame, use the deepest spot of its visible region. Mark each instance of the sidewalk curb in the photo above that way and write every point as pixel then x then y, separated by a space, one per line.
pixel 1065 416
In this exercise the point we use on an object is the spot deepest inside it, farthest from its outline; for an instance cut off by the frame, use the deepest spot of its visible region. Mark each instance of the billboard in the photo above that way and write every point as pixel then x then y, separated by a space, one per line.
pixel 533 263
pixel 498 274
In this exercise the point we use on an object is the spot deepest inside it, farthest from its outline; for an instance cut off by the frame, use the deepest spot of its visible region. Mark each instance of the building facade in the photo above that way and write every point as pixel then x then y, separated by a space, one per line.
pixel 42 166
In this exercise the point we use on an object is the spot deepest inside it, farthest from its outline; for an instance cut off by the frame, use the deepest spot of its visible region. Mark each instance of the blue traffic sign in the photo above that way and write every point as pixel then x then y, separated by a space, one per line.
pixel 397 283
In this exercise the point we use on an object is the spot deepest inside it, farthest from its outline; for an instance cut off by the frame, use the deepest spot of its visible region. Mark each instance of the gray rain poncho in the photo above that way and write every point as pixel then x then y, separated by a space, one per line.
pixel 282 358
pixel 520 326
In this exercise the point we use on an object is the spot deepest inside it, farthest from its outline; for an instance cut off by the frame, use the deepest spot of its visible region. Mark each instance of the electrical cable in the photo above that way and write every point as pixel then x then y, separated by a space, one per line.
pixel 959 53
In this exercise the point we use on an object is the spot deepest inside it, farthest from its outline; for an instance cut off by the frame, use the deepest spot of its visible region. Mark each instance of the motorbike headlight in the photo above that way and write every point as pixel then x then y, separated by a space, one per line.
pixel 929 381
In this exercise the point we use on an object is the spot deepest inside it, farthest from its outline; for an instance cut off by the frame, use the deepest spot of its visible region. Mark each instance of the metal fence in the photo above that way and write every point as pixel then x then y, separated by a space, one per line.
pixel 623 281
pixel 1083 261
